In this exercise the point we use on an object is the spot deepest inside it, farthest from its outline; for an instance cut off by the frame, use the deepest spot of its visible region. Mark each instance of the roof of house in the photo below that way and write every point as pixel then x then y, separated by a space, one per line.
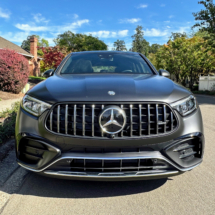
pixel 5 44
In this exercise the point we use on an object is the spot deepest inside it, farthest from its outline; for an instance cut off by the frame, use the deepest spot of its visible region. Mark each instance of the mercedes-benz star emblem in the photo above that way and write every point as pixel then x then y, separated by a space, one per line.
pixel 112 119
pixel 111 93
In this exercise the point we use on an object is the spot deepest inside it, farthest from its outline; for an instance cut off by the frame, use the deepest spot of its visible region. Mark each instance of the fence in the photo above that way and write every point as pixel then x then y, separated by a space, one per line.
pixel 207 83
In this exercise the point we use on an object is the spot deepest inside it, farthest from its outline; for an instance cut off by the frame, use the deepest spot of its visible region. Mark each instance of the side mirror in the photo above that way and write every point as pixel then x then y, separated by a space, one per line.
pixel 48 73
pixel 164 73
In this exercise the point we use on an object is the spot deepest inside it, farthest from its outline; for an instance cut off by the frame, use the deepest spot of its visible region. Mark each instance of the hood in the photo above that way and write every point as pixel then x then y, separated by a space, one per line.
pixel 95 87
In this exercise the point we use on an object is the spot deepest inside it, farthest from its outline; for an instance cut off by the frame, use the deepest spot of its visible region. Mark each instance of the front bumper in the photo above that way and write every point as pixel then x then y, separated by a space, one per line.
pixel 52 155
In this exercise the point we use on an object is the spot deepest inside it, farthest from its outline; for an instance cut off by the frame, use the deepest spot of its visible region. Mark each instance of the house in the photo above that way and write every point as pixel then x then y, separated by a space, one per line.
pixel 33 59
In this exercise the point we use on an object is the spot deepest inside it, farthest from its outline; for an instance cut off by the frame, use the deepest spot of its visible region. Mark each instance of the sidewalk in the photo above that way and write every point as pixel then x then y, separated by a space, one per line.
pixel 4 104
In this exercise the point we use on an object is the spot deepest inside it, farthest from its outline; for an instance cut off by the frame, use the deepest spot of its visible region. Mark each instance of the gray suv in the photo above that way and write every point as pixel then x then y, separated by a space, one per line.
pixel 105 115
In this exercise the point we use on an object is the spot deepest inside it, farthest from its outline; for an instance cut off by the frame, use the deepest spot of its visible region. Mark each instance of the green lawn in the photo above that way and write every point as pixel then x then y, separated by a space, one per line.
pixel 36 78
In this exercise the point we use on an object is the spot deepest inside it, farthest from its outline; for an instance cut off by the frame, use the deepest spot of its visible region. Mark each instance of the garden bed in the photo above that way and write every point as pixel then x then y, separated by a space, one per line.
pixel 7 123
pixel 8 95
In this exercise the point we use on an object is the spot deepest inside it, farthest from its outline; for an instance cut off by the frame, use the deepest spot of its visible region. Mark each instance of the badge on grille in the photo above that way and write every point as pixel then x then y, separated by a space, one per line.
pixel 112 119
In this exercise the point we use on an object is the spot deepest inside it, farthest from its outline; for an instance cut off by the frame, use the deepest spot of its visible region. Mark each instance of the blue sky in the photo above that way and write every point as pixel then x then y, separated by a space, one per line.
pixel 109 20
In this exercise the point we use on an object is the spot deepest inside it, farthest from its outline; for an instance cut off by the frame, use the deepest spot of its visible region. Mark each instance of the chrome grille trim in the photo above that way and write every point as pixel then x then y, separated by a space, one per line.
pixel 93 117
pixel 66 120
pixel 149 120
pixel 58 118
pixel 102 133
pixel 131 121
pixel 164 114
pixel 74 121
pixel 83 120
pixel 140 174
pixel 142 120
pixel 51 117
pixel 156 119
pixel 122 130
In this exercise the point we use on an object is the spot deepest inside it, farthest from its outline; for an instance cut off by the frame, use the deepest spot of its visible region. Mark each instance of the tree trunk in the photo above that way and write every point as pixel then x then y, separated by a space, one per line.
pixel 191 80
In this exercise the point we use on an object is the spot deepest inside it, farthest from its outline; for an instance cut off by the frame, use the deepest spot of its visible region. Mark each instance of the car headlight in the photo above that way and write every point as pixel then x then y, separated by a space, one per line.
pixel 34 106
pixel 185 106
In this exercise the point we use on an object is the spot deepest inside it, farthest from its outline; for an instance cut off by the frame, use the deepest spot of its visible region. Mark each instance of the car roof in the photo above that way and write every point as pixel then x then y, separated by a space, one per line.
pixel 102 52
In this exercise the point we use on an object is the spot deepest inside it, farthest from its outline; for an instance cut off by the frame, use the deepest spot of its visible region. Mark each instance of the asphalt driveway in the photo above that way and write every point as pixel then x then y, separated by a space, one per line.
pixel 189 193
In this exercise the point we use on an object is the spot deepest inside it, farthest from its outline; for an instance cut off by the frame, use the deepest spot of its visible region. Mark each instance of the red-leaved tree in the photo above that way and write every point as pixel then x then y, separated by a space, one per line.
pixel 53 56
pixel 14 71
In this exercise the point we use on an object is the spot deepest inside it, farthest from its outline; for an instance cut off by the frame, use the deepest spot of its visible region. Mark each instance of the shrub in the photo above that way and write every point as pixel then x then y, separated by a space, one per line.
pixel 7 122
pixel 14 71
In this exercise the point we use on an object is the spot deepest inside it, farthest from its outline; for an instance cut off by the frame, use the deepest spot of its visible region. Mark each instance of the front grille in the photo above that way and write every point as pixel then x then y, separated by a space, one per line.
pixel 83 120
pixel 82 165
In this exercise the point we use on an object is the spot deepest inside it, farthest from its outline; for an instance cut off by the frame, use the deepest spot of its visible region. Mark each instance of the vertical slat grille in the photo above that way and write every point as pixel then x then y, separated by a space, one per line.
pixel 140 120
pixel 50 122
pixel 66 120
pixel 164 115
pixel 149 120
pixel 156 118
pixel 74 120
pixel 83 120
pixel 93 117
pixel 58 119
pixel 102 133
pixel 122 130
pixel 131 121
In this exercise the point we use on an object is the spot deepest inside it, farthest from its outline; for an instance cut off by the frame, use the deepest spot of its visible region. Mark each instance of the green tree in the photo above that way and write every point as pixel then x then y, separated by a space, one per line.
pixel 139 44
pixel 206 23
pixel 186 59
pixel 41 43
pixel 154 48
pixel 206 17
pixel 79 42
pixel 177 35
pixel 120 45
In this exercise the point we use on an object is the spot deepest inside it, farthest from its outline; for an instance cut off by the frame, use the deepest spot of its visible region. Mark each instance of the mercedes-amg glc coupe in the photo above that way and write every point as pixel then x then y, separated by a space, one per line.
pixel 105 115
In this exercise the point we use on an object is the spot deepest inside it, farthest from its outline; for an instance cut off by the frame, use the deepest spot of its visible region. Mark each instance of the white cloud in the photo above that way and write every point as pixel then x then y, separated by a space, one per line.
pixel 39 18
pixel 109 34
pixel 142 6
pixel 59 29
pixel 4 14
pixel 79 23
pixel 183 29
pixel 162 5
pixel 123 33
pixel 133 20
pixel 76 16
pixel 167 21
pixel 71 26
pixel 17 37
pixel 168 26
pixel 28 28
pixel 171 16
pixel 155 32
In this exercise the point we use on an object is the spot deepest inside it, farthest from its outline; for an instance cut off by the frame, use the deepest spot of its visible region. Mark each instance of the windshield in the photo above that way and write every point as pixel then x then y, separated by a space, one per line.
pixel 105 63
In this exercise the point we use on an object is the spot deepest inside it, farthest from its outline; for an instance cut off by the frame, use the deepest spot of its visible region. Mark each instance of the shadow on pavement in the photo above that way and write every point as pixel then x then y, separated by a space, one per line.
pixel 37 185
